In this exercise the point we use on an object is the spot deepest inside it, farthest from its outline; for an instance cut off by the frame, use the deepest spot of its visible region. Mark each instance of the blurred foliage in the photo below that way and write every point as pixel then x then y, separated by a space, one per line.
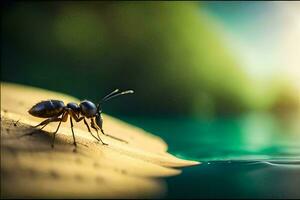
pixel 170 53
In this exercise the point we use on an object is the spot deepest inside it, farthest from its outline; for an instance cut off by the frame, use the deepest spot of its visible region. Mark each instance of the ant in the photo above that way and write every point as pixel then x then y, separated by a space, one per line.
pixel 56 111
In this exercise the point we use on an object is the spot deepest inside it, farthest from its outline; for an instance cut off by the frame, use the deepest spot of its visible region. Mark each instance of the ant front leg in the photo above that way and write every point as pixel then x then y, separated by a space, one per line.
pixel 95 128
pixel 86 124
pixel 99 139
pixel 99 121
pixel 93 125
pixel 78 119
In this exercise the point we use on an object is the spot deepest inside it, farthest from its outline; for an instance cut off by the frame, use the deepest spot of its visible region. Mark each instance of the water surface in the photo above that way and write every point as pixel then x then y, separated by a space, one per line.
pixel 246 156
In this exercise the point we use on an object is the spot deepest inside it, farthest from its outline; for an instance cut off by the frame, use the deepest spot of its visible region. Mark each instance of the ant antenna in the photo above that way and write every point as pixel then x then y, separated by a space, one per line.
pixel 110 94
pixel 113 95
pixel 118 94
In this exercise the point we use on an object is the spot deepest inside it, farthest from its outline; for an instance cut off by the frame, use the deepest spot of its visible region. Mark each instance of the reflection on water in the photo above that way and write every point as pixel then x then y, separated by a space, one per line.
pixel 238 179
pixel 250 156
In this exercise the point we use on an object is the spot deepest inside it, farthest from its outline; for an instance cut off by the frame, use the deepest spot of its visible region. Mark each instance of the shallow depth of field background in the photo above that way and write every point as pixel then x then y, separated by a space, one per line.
pixel 216 80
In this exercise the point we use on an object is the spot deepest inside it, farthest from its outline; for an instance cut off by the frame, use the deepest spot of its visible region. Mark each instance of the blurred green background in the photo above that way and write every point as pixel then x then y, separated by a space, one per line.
pixel 218 81
pixel 177 56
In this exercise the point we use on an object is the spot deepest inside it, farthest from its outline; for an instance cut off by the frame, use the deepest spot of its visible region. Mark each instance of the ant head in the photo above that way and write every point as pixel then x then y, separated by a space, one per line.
pixel 111 95
pixel 99 120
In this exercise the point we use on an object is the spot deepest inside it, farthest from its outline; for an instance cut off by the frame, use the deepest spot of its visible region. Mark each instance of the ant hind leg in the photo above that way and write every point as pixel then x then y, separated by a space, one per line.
pixel 44 123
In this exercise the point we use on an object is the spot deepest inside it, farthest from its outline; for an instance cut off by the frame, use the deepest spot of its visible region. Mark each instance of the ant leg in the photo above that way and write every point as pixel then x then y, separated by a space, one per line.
pixel 98 139
pixel 99 125
pixel 78 119
pixel 63 118
pixel 74 116
pixel 44 123
pixel 93 125
pixel 54 134
pixel 90 129
pixel 95 128
pixel 71 121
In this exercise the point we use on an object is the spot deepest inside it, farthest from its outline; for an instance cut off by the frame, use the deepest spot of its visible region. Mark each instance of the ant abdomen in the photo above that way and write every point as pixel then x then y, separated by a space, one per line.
pixel 49 108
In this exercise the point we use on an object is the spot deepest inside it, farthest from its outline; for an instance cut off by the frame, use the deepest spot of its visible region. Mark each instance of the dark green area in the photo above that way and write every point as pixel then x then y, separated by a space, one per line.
pixel 238 179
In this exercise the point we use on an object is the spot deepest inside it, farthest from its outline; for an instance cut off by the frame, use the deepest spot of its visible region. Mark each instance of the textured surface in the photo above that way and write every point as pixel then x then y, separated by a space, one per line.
pixel 31 168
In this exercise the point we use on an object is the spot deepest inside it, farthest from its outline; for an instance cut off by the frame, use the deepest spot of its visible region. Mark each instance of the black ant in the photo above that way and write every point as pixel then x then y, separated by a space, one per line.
pixel 56 111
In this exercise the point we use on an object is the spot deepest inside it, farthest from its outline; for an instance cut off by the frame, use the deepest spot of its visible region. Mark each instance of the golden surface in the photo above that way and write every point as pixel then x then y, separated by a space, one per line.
pixel 31 168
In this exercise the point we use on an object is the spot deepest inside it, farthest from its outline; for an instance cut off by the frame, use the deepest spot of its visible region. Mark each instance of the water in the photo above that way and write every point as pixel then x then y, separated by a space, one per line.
pixel 247 156
pixel 238 179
